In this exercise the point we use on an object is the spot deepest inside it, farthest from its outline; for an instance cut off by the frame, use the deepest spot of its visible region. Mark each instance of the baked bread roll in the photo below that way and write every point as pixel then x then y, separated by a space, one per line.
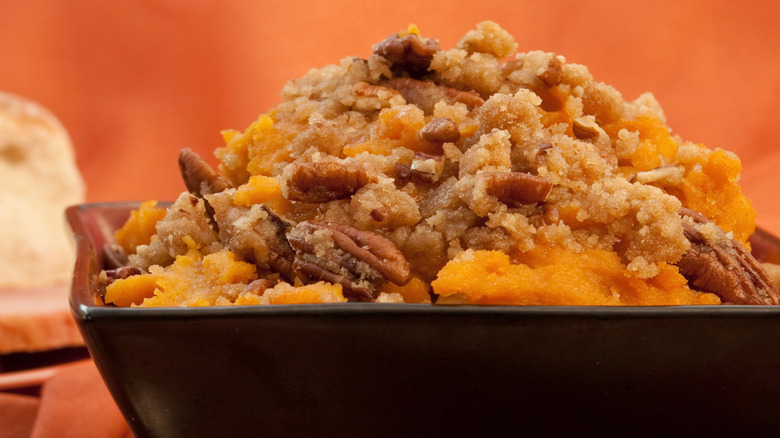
pixel 39 180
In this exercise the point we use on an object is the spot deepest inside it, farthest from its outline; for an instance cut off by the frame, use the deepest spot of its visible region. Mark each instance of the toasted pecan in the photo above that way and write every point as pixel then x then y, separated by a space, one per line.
pixel 440 130
pixel 516 188
pixel 341 263
pixel 325 181
pixel 120 273
pixel 409 53
pixel 200 178
pixel 426 94
pixel 724 267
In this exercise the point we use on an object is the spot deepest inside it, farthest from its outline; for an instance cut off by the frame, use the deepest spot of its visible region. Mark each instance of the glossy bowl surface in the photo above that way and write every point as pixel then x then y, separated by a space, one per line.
pixel 376 370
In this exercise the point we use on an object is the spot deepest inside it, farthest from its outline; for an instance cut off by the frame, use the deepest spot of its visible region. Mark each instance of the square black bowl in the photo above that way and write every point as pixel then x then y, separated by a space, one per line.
pixel 392 370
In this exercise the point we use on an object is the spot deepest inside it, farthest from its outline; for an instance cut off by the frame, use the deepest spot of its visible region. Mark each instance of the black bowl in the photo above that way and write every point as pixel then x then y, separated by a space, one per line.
pixel 376 370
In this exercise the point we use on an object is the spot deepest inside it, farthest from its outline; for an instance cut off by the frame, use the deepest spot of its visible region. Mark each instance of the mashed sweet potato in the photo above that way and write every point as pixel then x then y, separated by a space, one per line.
pixel 553 276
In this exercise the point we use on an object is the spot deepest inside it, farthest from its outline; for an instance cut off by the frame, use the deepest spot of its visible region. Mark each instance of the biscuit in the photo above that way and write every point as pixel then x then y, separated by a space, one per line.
pixel 39 180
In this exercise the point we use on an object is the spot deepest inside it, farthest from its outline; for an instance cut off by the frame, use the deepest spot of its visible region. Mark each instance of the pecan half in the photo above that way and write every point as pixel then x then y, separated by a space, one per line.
pixel 325 181
pixel 440 130
pixel 426 94
pixel 200 178
pixel 410 53
pixel 517 188
pixel 357 259
pixel 724 267
pixel 373 248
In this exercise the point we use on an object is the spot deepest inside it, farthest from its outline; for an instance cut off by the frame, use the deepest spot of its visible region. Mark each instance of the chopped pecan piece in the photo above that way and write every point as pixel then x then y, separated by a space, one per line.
pixel 200 178
pixel 426 94
pixel 259 286
pixel 551 213
pixel 403 173
pixel 308 269
pixel 121 273
pixel 372 97
pixel 544 147
pixel 532 159
pixel 379 214
pixel 357 259
pixel 427 168
pixel 325 181
pixel 364 89
pixel 584 128
pixel 665 174
pixel 440 130
pixel 409 53
pixel 724 267
pixel 517 188
pixel 552 75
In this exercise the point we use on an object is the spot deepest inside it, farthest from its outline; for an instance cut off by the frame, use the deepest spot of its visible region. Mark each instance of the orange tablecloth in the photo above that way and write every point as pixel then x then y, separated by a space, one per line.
pixel 72 403
pixel 136 81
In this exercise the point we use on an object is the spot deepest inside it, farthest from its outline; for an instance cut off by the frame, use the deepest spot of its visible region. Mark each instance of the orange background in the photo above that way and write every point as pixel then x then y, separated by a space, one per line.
pixel 135 81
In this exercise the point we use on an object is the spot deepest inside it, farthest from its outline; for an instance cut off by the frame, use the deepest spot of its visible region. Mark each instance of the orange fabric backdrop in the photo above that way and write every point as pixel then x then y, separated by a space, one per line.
pixel 135 81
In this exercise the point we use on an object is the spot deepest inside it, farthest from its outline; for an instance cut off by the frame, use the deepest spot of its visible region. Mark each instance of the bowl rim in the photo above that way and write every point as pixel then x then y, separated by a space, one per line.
pixel 85 309
pixel 337 310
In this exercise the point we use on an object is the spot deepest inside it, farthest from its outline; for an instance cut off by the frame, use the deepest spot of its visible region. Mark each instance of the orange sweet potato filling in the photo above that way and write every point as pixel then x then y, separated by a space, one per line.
pixel 140 227
pixel 552 276
pixel 131 290
pixel 216 279
pixel 397 127
pixel 710 185
pixel 192 280
pixel 258 190
pixel 264 143
pixel 415 291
